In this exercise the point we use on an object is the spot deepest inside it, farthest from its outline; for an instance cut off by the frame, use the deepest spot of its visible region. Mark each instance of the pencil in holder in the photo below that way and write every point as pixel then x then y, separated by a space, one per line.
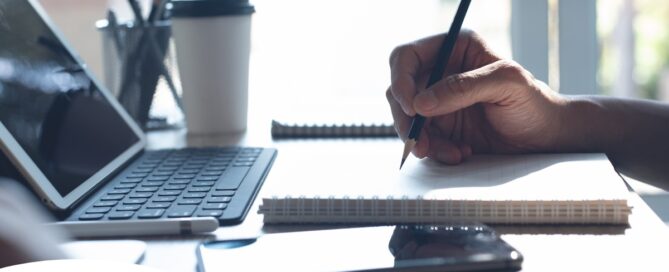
pixel 140 71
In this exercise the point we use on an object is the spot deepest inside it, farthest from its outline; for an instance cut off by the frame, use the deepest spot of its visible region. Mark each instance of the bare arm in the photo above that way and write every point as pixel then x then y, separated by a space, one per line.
pixel 486 104
pixel 633 133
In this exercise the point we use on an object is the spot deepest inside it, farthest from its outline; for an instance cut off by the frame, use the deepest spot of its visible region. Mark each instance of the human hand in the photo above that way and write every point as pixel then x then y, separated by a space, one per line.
pixel 484 104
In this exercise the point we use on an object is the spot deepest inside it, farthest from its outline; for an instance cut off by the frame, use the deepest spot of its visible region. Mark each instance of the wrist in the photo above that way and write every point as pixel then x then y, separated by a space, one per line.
pixel 586 125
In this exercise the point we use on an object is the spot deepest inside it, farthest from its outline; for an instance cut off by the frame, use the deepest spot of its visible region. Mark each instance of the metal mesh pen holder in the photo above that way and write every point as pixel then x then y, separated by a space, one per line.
pixel 139 65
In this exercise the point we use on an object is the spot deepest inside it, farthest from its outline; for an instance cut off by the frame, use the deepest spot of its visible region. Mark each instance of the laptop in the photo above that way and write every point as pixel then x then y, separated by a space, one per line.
pixel 85 157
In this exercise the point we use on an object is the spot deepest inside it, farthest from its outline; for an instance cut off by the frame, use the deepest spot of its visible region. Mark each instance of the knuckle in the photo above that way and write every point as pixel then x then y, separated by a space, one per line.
pixel 389 95
pixel 514 72
pixel 469 33
pixel 397 53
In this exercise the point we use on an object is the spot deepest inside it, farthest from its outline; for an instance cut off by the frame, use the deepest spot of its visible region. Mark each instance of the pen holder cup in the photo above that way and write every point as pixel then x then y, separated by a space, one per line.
pixel 140 71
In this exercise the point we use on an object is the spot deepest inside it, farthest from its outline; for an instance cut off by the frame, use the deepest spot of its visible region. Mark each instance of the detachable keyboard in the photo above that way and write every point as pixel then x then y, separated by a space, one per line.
pixel 216 182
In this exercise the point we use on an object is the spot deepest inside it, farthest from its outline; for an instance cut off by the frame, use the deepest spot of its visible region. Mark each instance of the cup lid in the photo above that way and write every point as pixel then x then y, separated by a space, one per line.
pixel 210 8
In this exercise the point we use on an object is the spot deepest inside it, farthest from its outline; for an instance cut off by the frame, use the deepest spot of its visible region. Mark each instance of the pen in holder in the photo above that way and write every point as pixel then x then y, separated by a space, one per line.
pixel 140 70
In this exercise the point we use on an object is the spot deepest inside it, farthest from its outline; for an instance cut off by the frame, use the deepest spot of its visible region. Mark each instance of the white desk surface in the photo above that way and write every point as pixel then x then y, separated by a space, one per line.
pixel 589 248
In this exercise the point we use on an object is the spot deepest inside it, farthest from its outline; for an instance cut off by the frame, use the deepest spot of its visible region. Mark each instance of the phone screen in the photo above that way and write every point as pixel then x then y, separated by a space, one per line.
pixel 462 247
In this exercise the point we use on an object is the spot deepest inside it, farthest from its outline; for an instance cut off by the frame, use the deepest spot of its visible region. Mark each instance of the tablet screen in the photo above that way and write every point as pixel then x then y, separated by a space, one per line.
pixel 50 105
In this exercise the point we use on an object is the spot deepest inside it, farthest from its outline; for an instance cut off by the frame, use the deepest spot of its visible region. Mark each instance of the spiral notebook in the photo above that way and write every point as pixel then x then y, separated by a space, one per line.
pixel 338 118
pixel 351 130
pixel 506 189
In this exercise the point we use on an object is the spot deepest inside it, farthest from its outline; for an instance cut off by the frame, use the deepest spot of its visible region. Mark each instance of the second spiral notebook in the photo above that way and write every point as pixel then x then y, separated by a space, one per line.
pixel 506 189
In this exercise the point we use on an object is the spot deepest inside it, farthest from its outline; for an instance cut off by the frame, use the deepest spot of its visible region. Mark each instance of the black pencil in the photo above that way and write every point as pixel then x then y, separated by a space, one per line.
pixel 137 11
pixel 437 73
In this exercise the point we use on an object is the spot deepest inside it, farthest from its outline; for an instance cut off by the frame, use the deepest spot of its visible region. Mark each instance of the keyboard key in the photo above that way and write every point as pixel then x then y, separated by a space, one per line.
pixel 98 210
pixel 247 159
pixel 175 187
pixel 150 213
pixel 139 175
pixel 243 164
pixel 181 211
pixel 158 178
pixel 231 178
pixel 199 189
pixel 215 168
pixel 147 189
pixel 141 171
pixel 169 193
pixel 152 183
pixel 204 183
pixel 207 178
pixel 112 197
pixel 190 201
pixel 223 159
pixel 211 213
pixel 211 173
pixel 91 216
pixel 177 159
pixel 165 199
pixel 152 160
pixel 199 166
pixel 140 195
pixel 194 195
pixel 119 191
pixel 184 176
pixel 158 205
pixel 131 180
pixel 105 204
pixel 218 164
pixel 163 174
pixel 120 215
pixel 214 206
pixel 223 199
pixel 179 181
pixel 125 186
pixel 132 207
pixel 223 193
pixel 131 201
pixel 188 171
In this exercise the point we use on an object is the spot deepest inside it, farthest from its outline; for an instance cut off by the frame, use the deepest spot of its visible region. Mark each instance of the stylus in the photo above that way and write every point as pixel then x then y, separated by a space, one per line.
pixel 140 227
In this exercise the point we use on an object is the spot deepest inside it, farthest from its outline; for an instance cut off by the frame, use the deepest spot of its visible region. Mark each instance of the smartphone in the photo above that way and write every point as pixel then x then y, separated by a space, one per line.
pixel 457 247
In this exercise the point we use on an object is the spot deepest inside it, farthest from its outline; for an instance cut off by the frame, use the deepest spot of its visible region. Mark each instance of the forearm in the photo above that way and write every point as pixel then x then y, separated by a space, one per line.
pixel 633 133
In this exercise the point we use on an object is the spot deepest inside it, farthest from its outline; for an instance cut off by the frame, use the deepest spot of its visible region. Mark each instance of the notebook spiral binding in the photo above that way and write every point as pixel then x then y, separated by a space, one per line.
pixel 393 210
pixel 284 130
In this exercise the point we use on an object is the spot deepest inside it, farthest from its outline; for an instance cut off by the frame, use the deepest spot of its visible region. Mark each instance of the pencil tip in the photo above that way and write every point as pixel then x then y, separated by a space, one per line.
pixel 408 146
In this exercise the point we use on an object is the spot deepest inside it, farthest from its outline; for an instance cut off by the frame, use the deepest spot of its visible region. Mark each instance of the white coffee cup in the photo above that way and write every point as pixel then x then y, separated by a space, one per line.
pixel 213 41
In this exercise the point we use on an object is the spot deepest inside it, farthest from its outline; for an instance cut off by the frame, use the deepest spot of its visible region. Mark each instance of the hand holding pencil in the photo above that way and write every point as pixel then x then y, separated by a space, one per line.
pixel 480 103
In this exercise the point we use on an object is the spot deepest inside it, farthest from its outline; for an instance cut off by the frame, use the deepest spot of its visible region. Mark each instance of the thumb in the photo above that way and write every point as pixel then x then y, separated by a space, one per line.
pixel 493 83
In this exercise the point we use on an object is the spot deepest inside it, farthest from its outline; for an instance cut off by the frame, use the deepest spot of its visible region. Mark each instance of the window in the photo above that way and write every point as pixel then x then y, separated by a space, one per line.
pixel 321 57
pixel 635 48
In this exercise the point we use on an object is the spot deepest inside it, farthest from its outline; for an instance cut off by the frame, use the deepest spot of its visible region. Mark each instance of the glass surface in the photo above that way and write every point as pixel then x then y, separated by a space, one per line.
pixel 50 105
pixel 455 247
